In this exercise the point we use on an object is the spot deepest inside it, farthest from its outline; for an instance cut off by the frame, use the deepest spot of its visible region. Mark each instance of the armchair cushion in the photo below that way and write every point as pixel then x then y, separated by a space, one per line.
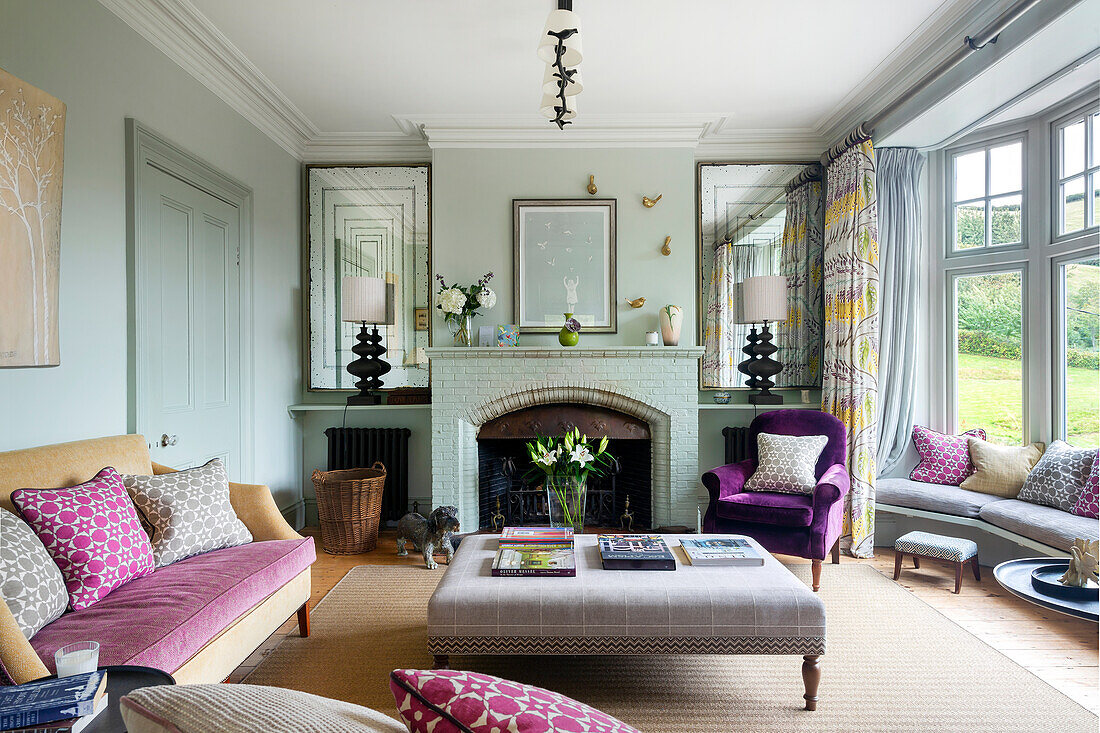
pixel 785 510
pixel 786 463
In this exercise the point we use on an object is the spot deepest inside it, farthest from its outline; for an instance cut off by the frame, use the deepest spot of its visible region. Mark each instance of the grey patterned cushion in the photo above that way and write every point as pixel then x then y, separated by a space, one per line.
pixel 1058 477
pixel 189 511
pixel 786 463
pixel 30 581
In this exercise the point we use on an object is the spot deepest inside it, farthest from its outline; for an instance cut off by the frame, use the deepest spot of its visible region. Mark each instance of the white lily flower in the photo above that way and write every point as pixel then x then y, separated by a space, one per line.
pixel 581 455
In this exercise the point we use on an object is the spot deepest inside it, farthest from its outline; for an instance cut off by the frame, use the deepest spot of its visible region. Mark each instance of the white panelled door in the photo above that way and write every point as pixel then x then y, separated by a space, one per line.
pixel 188 347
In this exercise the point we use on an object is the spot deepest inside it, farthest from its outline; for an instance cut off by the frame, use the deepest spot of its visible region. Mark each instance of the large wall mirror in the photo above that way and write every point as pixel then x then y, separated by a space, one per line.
pixel 760 219
pixel 372 221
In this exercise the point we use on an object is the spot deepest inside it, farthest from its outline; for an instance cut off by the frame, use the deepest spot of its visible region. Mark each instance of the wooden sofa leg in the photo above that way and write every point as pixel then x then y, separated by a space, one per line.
pixel 836 553
pixel 303 620
pixel 816 571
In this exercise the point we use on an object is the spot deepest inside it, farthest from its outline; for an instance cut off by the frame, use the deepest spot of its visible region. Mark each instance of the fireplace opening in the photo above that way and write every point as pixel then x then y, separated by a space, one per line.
pixel 506 492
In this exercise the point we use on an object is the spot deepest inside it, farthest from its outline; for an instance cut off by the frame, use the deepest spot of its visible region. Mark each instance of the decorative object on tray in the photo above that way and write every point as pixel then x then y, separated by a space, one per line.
pixel 722 398
pixel 507 334
pixel 672 320
pixel 349 507
pixel 665 249
pixel 565 462
pixel 367 301
pixel 31 168
pixel 592 185
pixel 460 304
pixel 650 203
pixel 736 551
pixel 570 334
pixel 429 535
pixel 1083 563
pixel 635 552
pixel 564 262
pixel 1018 577
pixel 765 301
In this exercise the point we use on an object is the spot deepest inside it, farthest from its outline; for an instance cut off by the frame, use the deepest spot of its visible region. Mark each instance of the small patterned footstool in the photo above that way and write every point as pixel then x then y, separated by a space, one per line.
pixel 937 547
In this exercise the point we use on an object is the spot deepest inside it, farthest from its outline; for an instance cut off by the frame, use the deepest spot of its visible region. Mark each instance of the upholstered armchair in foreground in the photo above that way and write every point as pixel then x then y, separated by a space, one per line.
pixel 805 525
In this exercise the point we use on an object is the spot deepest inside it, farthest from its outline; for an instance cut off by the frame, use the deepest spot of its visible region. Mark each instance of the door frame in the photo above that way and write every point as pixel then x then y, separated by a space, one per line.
pixel 146 147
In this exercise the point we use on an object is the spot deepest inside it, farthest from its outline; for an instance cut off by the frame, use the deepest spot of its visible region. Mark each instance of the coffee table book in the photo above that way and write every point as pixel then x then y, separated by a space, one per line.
pixel 721 551
pixel 46 701
pixel 537 536
pixel 69 725
pixel 540 560
pixel 635 552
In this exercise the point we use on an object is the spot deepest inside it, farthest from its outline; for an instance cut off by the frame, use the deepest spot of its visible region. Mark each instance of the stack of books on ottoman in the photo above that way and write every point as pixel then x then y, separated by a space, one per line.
pixel 65 704
pixel 535 551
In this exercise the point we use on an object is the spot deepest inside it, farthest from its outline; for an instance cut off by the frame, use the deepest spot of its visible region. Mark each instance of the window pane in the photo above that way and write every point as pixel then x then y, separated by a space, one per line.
pixel 1081 365
pixel 970 175
pixel 970 226
pixel 1006 219
pixel 1073 204
pixel 1095 160
pixel 989 376
pixel 1005 165
pixel 1073 148
pixel 1095 188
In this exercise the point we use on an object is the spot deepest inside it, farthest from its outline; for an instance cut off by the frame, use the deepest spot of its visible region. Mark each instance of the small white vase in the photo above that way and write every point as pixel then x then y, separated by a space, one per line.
pixel 672 318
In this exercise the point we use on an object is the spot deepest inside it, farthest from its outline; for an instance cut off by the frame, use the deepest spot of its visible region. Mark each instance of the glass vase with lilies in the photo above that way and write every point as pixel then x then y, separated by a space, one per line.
pixel 565 464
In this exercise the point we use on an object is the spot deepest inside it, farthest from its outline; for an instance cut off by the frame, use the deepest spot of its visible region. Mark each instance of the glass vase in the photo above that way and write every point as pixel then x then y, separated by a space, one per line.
pixel 461 327
pixel 565 498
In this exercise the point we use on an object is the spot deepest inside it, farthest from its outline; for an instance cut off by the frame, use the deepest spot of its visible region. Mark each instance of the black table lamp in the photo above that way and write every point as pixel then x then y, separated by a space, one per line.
pixel 765 301
pixel 367 301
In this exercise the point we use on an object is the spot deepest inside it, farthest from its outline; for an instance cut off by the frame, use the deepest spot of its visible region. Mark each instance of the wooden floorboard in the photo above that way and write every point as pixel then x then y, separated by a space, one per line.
pixel 1061 650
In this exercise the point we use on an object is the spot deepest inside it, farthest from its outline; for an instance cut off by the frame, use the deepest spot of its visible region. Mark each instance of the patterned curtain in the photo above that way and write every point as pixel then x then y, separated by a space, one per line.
pixel 799 339
pixel 849 387
pixel 720 344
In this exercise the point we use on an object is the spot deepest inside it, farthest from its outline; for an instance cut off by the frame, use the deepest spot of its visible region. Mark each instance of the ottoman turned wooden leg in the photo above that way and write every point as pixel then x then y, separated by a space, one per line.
pixel 898 557
pixel 977 570
pixel 958 577
pixel 811 676
pixel 441 661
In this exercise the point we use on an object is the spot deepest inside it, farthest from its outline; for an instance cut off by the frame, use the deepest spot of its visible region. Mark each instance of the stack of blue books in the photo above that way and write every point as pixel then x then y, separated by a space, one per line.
pixel 65 704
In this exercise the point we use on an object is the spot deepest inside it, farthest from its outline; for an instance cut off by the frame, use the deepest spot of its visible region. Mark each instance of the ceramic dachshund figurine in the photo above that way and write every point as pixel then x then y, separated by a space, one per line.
pixel 427 535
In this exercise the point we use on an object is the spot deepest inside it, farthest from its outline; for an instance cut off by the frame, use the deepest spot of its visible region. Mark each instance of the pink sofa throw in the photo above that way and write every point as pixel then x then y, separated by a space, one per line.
pixel 450 701
pixel 944 459
pixel 92 532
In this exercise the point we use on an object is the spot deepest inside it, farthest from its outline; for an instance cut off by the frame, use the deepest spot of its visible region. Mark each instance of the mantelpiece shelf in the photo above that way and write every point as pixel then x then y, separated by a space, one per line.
pixel 337 407
pixel 759 408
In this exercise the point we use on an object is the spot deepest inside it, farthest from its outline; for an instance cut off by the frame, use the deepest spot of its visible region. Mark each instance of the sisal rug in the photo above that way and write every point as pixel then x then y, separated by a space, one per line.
pixel 893 663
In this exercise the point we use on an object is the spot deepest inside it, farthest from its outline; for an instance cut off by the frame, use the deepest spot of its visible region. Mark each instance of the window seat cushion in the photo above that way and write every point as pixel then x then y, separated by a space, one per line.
pixel 1044 524
pixel 932 497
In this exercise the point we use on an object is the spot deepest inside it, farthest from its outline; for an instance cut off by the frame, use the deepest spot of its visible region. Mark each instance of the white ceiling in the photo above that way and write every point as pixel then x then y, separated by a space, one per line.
pixel 343 79
pixel 350 65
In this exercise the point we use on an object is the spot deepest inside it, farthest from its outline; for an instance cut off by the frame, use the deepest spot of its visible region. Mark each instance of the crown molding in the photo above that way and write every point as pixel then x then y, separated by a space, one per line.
pixel 369 147
pixel 794 144
pixel 185 35
pixel 933 40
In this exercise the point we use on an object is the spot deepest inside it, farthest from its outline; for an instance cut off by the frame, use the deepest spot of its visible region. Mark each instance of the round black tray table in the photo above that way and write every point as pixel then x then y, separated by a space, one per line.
pixel 1015 577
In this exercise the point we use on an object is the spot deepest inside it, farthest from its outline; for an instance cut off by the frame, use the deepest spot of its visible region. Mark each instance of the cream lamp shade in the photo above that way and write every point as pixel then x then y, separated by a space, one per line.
pixel 557 21
pixel 366 300
pixel 550 83
pixel 549 102
pixel 764 298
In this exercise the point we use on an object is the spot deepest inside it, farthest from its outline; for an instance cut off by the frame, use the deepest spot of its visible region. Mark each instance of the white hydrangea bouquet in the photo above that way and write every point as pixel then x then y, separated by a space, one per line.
pixel 460 304
pixel 566 463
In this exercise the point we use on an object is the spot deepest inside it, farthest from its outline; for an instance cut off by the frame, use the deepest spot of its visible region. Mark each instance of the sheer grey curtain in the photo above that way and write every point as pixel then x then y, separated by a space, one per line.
pixel 899 222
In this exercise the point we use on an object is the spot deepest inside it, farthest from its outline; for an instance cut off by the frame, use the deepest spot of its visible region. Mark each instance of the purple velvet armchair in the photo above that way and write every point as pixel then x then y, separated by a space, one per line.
pixel 805 525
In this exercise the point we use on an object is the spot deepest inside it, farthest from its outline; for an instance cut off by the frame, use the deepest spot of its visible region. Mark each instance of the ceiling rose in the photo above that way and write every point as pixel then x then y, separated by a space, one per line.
pixel 560 48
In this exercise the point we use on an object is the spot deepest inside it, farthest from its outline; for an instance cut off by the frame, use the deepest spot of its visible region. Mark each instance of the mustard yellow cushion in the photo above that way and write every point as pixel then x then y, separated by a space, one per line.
pixel 1000 470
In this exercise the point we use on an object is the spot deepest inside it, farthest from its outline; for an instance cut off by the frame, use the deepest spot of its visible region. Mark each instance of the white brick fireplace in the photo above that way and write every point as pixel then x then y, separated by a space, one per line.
pixel 471 386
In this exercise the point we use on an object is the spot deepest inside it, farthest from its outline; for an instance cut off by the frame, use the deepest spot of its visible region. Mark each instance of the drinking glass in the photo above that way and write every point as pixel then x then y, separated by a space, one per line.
pixel 78 658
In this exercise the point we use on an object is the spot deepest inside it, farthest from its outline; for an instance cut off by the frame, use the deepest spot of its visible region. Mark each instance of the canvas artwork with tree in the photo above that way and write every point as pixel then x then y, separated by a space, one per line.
pixel 32 132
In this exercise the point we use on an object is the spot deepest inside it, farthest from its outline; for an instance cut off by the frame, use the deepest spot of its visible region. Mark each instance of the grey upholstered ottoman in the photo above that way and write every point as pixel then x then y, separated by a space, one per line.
pixel 693 610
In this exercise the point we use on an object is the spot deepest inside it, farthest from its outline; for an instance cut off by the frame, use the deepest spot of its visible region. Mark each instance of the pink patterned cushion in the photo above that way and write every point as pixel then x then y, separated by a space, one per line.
pixel 92 532
pixel 1086 505
pixel 944 459
pixel 446 701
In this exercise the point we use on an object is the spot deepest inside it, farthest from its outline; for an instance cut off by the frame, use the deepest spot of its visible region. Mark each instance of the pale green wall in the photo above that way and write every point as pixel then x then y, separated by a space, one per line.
pixel 472 192
pixel 81 53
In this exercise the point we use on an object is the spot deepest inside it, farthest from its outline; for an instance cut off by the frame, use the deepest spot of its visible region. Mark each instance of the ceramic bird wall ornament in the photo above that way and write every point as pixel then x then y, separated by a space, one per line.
pixel 666 250
pixel 636 303
pixel 650 203
pixel 592 185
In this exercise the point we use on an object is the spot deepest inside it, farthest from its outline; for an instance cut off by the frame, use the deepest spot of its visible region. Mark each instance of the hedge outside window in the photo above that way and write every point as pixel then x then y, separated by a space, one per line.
pixel 988 382
pixel 987 196
pixel 1078 174
pixel 1080 359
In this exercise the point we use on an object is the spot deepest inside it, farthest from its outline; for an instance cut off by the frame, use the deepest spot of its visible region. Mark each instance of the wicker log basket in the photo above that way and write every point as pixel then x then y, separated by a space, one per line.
pixel 349 505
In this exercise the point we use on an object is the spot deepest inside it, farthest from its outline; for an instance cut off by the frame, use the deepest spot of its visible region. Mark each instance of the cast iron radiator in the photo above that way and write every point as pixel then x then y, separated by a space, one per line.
pixel 361 447
pixel 738 447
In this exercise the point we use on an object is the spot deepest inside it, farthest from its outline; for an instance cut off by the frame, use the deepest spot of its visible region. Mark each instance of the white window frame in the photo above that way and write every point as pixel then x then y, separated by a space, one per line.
pixel 951 279
pixel 1058 415
pixel 1059 178
pixel 949 187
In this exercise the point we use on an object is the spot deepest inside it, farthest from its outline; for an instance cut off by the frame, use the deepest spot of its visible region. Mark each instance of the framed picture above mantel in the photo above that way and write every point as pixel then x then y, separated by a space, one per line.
pixel 564 262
